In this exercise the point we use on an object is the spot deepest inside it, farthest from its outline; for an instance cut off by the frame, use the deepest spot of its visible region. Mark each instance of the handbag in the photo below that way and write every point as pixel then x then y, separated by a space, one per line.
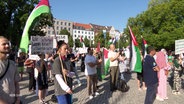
pixel 5 71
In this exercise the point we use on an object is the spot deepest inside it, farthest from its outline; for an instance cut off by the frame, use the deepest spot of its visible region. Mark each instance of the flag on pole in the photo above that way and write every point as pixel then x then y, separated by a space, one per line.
pixel 135 63
pixel 106 63
pixel 144 47
pixel 41 8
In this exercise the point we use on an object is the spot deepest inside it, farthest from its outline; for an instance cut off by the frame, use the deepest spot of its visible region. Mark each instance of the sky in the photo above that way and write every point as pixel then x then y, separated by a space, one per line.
pixel 102 12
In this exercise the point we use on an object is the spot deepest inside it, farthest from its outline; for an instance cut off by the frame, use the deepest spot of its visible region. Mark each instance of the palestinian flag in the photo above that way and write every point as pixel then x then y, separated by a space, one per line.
pixel 106 63
pixel 144 47
pixel 135 59
pixel 41 8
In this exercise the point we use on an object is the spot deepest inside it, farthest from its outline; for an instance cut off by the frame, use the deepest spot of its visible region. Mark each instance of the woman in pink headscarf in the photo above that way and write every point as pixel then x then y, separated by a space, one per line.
pixel 162 76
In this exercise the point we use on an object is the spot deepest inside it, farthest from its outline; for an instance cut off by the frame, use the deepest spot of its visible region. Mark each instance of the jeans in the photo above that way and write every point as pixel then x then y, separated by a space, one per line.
pixel 64 99
pixel 151 94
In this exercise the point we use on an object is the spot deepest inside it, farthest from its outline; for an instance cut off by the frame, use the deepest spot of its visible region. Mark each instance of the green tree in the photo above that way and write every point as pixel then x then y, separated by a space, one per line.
pixel 78 43
pixel 14 14
pixel 100 38
pixel 70 38
pixel 64 32
pixel 160 25
pixel 86 42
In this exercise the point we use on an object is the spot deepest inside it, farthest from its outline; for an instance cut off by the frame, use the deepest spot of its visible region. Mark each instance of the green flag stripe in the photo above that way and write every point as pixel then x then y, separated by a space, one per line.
pixel 35 13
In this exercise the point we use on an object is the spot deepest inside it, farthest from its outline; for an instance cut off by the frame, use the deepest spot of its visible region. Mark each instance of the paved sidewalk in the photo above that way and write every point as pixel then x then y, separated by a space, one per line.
pixel 80 96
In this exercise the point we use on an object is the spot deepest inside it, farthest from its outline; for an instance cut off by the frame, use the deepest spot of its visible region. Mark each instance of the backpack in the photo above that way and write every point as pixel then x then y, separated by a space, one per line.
pixel 122 86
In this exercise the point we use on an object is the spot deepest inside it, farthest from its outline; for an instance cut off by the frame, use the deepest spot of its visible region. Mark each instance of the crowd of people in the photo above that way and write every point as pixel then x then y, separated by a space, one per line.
pixel 60 68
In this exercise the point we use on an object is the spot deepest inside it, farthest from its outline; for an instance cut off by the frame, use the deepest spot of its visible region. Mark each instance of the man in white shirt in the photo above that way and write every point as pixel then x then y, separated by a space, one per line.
pixel 114 70
pixel 91 72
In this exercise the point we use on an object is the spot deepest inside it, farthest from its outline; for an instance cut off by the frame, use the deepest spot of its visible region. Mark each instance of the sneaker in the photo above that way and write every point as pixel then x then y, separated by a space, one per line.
pixel 96 94
pixel 79 84
pixel 90 97
pixel 159 99
pixel 166 98
pixel 178 93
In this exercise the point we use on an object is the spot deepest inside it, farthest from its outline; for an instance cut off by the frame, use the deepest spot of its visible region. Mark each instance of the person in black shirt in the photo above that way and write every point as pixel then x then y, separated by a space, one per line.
pixel 73 59
pixel 150 75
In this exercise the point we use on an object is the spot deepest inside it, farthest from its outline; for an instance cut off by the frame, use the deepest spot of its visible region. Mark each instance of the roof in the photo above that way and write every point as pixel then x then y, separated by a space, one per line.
pixel 85 26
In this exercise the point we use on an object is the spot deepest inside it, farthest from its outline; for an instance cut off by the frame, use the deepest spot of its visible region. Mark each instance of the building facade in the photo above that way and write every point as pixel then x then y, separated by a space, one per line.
pixel 83 31
pixel 59 25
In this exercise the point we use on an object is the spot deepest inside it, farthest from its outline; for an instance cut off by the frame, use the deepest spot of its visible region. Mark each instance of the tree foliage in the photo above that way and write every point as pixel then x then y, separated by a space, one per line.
pixel 14 14
pixel 160 24
pixel 100 38
pixel 70 38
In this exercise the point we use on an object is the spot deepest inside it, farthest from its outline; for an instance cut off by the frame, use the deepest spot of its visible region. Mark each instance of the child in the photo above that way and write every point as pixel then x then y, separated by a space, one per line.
pixel 177 79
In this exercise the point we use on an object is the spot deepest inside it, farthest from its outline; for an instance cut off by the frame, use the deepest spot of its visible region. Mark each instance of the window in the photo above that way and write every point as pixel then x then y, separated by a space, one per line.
pixel 57 32
pixel 68 24
pixel 68 29
pixel 57 27
pixel 65 23
pixel 48 32
pixel 75 36
pixel 52 32
pixel 61 28
pixel 88 37
pixel 78 31
pixel 57 22
pixel 82 32
pixel 65 28
pixel 85 32
pixel 61 23
pixel 88 32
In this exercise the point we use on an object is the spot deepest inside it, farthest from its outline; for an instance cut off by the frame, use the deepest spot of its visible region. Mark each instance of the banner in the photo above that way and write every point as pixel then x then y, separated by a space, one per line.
pixel 179 46
pixel 40 44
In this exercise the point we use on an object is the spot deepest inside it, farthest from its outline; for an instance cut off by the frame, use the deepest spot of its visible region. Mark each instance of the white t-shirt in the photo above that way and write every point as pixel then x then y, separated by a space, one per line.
pixel 112 54
pixel 90 70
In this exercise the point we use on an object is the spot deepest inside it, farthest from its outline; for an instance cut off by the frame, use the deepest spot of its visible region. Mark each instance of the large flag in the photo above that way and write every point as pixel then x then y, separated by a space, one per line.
pixel 106 63
pixel 135 63
pixel 41 8
pixel 144 47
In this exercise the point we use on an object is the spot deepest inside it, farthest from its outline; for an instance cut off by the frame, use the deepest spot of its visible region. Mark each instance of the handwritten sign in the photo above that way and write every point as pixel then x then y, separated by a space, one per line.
pixel 40 44
pixel 59 37
pixel 179 46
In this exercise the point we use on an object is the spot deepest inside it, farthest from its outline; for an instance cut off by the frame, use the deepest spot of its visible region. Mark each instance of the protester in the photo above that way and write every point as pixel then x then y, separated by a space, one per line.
pixel 20 61
pixel 42 78
pixel 161 61
pixel 140 81
pixel 62 80
pixel 122 65
pixel 177 79
pixel 150 75
pixel 114 70
pixel 82 62
pixel 98 56
pixel 49 61
pixel 73 59
pixel 9 77
pixel 30 65
pixel 90 72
